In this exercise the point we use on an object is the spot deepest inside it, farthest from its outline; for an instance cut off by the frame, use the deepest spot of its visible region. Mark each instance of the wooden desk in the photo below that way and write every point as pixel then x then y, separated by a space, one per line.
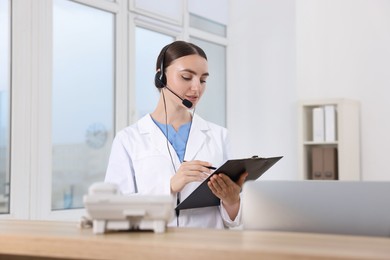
pixel 65 240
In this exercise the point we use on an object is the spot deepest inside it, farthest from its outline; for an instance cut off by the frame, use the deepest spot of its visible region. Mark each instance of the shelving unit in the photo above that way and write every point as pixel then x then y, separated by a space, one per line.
pixel 347 142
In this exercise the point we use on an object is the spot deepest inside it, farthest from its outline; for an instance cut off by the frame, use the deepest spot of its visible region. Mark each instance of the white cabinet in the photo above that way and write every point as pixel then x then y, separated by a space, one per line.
pixel 345 143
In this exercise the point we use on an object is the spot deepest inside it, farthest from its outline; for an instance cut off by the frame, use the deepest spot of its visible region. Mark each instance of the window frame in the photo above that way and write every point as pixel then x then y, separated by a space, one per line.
pixel 31 80
pixel 30 191
pixel 7 146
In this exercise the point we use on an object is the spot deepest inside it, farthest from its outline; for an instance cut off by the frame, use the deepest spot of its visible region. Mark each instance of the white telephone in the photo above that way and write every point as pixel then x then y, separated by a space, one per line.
pixel 110 210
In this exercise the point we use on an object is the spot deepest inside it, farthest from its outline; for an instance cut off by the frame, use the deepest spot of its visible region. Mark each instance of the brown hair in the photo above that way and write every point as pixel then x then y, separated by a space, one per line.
pixel 177 50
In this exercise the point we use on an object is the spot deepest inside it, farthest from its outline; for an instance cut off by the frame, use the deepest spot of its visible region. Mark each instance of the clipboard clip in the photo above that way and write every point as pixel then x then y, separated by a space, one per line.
pixel 257 157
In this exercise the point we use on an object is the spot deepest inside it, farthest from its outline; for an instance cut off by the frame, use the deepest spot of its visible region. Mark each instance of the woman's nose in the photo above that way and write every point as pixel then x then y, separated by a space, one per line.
pixel 196 84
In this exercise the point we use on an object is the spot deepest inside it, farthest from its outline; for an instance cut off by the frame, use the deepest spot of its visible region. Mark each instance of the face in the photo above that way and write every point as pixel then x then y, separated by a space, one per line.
pixel 187 77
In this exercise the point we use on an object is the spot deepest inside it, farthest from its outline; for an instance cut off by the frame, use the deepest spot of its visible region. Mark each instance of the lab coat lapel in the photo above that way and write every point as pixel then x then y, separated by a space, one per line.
pixel 197 137
pixel 157 138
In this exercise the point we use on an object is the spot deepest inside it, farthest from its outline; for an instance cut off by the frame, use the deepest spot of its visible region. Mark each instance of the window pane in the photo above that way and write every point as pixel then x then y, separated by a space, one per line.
pixel 170 9
pixel 148 46
pixel 213 103
pixel 82 101
pixel 207 25
pixel 5 64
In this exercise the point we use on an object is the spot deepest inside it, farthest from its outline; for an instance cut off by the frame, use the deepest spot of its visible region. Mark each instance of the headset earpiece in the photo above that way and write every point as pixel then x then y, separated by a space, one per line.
pixel 160 80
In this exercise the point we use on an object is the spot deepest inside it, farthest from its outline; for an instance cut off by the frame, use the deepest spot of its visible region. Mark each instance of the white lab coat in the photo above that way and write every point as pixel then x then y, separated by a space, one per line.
pixel 140 163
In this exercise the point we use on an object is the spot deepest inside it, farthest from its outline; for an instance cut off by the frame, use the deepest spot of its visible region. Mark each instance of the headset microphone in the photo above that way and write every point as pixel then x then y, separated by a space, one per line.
pixel 184 101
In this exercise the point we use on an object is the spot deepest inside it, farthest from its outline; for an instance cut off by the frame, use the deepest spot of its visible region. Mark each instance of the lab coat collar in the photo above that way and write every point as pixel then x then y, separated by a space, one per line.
pixel 196 139
pixel 147 127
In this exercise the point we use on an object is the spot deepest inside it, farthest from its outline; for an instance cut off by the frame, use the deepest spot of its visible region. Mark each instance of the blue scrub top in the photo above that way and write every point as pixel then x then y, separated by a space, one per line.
pixel 177 139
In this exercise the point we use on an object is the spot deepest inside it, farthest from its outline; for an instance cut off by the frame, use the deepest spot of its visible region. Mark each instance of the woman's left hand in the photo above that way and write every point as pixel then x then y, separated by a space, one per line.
pixel 225 189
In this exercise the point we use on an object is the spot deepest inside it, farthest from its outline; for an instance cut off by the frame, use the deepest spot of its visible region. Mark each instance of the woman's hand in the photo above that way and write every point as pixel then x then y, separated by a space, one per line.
pixel 189 172
pixel 228 191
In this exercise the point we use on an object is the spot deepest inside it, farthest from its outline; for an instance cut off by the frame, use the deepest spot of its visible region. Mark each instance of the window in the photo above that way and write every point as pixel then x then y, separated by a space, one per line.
pixel 82 100
pixel 215 93
pixel 148 46
pixel 5 87
pixel 209 31
pixel 82 70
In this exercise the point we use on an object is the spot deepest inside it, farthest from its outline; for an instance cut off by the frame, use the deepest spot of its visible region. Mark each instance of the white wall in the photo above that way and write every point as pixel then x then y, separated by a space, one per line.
pixel 344 51
pixel 262 116
pixel 282 51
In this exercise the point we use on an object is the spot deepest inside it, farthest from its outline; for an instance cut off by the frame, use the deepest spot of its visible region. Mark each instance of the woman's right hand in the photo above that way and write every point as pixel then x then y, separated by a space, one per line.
pixel 189 172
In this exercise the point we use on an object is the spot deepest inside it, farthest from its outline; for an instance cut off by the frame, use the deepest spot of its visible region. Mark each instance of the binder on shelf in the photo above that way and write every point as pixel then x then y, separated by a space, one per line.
pixel 316 163
pixel 330 163
pixel 324 163
pixel 330 123
pixel 318 124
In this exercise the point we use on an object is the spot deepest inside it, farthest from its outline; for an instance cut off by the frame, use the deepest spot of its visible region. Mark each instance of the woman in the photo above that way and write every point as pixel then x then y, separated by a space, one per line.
pixel 169 151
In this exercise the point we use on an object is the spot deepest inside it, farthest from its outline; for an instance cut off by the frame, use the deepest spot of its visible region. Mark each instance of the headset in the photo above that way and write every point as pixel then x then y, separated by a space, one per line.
pixel 160 79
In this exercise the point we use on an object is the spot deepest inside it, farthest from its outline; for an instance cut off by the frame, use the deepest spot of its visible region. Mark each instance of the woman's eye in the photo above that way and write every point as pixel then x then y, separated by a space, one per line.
pixel 186 78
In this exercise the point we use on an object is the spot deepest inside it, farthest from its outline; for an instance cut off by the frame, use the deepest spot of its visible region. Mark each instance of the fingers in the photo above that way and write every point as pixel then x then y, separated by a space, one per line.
pixel 200 166
pixel 225 189
pixel 190 172
pixel 197 168
pixel 194 175
pixel 242 179
pixel 221 185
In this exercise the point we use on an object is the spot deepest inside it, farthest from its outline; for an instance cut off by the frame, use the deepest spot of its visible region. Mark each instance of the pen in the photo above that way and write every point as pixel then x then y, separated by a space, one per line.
pixel 208 167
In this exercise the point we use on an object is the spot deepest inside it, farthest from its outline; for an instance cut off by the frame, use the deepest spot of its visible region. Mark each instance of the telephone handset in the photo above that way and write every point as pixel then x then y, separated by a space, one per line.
pixel 110 210
pixel 103 188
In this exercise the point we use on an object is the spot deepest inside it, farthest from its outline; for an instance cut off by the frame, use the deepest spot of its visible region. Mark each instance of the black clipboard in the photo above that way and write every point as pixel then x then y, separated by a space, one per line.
pixel 202 195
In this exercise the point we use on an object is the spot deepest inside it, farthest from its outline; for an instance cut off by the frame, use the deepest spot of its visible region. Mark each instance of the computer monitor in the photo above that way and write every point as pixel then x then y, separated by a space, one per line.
pixel 336 207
